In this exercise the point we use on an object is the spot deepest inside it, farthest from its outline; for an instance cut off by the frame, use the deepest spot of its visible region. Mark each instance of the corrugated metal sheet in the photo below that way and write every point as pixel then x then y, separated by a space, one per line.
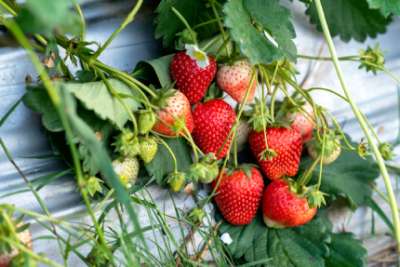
pixel 25 138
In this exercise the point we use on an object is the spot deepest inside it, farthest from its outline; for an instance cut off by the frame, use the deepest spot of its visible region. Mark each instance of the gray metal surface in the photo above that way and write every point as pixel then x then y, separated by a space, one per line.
pixel 25 137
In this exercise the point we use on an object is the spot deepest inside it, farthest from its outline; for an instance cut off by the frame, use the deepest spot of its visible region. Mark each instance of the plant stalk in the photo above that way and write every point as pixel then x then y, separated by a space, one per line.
pixel 362 122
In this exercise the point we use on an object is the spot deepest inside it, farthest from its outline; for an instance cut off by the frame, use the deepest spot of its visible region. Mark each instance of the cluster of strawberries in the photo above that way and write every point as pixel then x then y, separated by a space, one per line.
pixel 240 191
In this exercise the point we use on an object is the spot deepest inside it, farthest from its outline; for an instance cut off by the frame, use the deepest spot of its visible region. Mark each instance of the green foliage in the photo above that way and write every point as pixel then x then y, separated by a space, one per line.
pixel 313 244
pixel 107 105
pixel 156 70
pixel 350 19
pixel 36 98
pixel 194 11
pixel 163 164
pixel 345 251
pixel 87 137
pixel 46 16
pixel 349 176
pixel 262 38
pixel 387 7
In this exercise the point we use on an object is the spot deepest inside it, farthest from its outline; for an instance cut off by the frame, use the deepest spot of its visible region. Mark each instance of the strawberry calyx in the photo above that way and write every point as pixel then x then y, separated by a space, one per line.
pixel 246 168
pixel 314 196
pixel 196 54
pixel 196 215
pixel 267 154
pixel 127 144
pixel 162 95
pixel 206 170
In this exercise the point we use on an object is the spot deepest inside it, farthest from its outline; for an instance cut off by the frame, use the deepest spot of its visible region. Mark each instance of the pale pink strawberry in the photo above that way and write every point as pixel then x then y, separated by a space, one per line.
pixel 235 80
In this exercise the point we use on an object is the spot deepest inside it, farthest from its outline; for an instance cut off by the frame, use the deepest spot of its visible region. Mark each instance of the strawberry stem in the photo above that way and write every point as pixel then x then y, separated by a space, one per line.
pixel 186 23
pixel 362 122
pixel 127 20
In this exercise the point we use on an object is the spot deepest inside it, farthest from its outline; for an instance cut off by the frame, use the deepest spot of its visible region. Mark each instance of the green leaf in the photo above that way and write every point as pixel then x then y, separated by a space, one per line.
pixel 96 96
pixel 350 19
pixel 194 11
pixel 349 176
pixel 158 67
pixel 313 244
pixel 163 164
pixel 387 7
pixel 370 202
pixel 45 16
pixel 36 98
pixel 249 27
pixel 302 246
pixel 346 251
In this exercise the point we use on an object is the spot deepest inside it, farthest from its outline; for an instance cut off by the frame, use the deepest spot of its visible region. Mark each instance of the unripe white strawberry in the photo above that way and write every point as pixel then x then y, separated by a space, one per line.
pixel 127 170
pixel 331 149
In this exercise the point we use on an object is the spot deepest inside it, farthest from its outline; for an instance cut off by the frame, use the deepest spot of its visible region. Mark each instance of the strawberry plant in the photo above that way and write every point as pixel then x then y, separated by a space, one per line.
pixel 220 118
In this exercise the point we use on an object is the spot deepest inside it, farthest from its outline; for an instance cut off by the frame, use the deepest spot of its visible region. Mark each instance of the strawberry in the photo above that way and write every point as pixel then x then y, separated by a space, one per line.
pixel 127 170
pixel 282 157
pixel 176 181
pixel 146 121
pixel 148 148
pixel 26 238
pixel 213 121
pixel 303 121
pixel 331 150
pixel 235 80
pixel 193 72
pixel 238 194
pixel 174 114
pixel 284 208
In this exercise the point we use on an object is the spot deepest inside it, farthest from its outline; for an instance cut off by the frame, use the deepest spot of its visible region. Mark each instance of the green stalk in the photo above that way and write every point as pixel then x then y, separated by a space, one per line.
pixel 127 20
pixel 362 122
pixel 56 100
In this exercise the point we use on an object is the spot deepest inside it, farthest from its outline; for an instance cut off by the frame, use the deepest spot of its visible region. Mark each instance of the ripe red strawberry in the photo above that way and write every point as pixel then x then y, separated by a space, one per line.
pixel 303 121
pixel 235 80
pixel 193 72
pixel 284 150
pixel 239 195
pixel 175 113
pixel 26 238
pixel 213 121
pixel 284 208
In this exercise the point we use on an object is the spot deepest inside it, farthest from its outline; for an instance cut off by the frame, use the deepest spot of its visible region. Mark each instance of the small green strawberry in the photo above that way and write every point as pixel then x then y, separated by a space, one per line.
pixel 331 149
pixel 148 148
pixel 127 170
pixel 146 121
pixel 386 151
pixel 176 181
pixel 127 144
